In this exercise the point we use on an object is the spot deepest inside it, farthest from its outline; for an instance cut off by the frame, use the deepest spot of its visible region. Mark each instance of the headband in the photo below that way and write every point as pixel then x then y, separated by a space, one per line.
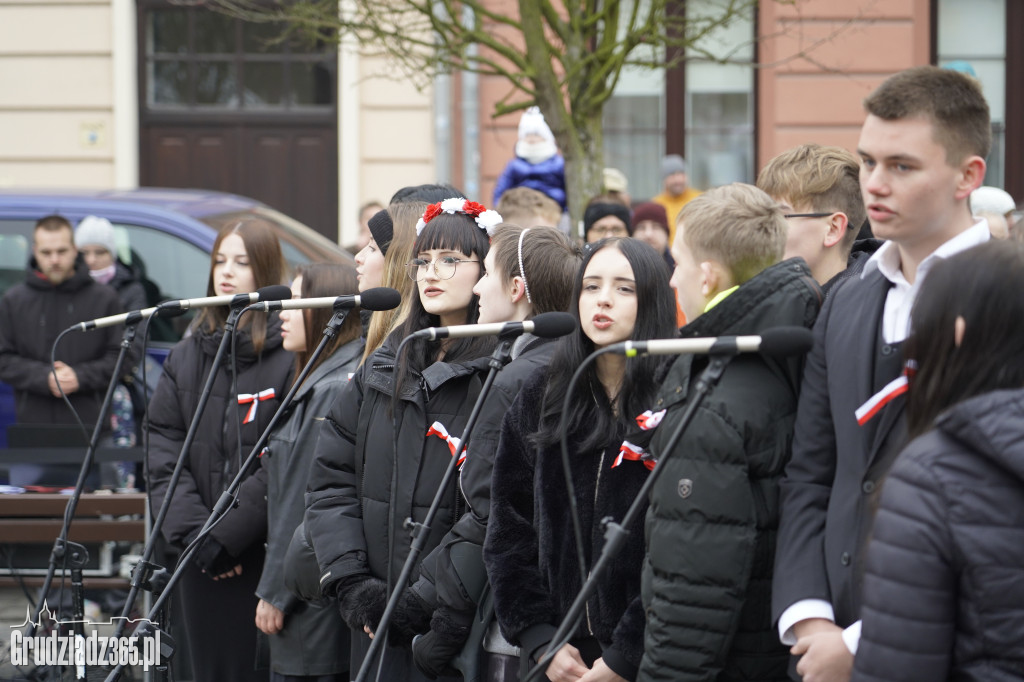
pixel 485 219
pixel 522 270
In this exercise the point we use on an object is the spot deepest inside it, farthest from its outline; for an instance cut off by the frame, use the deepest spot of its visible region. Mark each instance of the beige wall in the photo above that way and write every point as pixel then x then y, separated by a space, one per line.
pixel 57 108
pixel 827 56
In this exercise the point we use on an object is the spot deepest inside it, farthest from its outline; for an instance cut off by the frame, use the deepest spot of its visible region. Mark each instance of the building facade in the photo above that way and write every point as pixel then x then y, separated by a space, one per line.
pixel 120 93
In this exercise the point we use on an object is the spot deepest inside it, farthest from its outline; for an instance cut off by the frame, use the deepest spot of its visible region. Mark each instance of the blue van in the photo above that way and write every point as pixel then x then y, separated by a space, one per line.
pixel 164 234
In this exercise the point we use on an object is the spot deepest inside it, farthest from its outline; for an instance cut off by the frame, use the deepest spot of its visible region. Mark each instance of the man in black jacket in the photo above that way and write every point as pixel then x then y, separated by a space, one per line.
pixel 713 513
pixel 57 293
pixel 922 150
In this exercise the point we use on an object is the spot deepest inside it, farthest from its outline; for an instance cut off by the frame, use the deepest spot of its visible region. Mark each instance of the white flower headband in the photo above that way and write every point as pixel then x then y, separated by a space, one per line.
pixel 485 219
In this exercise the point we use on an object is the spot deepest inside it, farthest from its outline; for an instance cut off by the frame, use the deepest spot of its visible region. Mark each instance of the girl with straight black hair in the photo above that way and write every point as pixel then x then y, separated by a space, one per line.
pixel 944 580
pixel 386 442
pixel 620 292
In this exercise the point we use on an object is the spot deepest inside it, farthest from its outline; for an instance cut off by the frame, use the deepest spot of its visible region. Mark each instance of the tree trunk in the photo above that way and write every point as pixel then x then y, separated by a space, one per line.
pixel 583 149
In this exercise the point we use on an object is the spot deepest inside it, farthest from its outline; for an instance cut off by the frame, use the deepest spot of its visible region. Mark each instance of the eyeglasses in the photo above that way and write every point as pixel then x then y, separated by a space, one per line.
pixel 610 230
pixel 808 215
pixel 444 268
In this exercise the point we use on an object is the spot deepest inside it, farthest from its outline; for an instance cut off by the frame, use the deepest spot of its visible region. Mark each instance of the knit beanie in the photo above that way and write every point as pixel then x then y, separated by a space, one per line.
pixel 672 164
pixel 533 122
pixel 653 212
pixel 599 210
pixel 382 229
pixel 98 231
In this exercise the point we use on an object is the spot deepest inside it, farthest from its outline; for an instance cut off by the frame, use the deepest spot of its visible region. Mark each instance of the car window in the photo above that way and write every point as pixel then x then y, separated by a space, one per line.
pixel 15 251
pixel 178 268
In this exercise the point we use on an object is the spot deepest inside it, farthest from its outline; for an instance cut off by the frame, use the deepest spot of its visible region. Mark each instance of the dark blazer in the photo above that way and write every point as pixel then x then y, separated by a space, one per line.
pixel 836 464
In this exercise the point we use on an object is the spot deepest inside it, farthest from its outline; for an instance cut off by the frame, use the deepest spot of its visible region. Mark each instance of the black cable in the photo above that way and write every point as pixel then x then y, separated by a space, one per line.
pixel 53 371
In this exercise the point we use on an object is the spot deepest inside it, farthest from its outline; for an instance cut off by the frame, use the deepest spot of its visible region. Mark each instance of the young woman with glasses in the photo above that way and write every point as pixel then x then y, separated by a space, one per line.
pixel 382 449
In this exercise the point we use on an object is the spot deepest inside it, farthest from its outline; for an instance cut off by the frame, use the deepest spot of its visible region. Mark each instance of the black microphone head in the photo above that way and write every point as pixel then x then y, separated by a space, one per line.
pixel 553 325
pixel 275 292
pixel 786 341
pixel 380 298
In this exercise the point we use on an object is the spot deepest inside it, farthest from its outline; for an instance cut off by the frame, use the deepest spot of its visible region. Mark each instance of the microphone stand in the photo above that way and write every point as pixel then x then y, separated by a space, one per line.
pixel 62 548
pixel 146 574
pixel 616 534
pixel 148 628
pixel 420 532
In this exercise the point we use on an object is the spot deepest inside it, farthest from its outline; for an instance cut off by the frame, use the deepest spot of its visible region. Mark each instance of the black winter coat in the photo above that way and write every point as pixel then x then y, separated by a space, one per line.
pixel 366 478
pixel 32 315
pixel 128 287
pixel 714 512
pixel 216 454
pixel 943 595
pixel 529 553
pixel 438 571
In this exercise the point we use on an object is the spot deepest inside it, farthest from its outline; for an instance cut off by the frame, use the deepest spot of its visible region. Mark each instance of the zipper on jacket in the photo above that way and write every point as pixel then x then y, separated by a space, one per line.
pixel 597 487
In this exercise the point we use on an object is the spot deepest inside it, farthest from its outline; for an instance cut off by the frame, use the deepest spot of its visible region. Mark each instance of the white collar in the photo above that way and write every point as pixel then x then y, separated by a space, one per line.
pixel 887 259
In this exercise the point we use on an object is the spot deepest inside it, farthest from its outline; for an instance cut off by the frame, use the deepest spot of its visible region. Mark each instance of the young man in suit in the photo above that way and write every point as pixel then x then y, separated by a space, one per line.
pixel 922 151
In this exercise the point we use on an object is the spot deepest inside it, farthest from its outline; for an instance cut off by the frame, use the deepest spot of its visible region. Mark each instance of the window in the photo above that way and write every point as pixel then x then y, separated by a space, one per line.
pixel 972 38
pixel 196 58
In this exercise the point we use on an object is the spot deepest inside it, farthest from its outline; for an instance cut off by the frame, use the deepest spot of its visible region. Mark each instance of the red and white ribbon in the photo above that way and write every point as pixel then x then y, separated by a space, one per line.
pixel 254 400
pixel 437 429
pixel 649 420
pixel 634 453
pixel 875 403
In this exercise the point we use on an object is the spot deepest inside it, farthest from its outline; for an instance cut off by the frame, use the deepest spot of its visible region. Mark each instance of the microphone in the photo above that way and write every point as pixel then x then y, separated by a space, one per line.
pixel 380 298
pixel 274 292
pixel 778 341
pixel 128 318
pixel 545 325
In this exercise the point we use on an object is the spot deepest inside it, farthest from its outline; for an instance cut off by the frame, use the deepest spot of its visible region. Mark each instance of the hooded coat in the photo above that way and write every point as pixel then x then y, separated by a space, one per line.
pixel 714 511
pixel 943 594
pixel 375 466
pixel 32 315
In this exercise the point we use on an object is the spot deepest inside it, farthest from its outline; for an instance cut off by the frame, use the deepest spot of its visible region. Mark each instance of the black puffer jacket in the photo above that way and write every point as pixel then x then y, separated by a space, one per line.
pixel 214 458
pixel 475 483
pixel 529 553
pixel 32 315
pixel 944 585
pixel 359 494
pixel 128 287
pixel 714 511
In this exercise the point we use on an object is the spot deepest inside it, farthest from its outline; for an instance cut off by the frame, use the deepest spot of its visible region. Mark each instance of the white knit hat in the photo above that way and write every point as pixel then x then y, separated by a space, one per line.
pixel 991 200
pixel 533 122
pixel 98 231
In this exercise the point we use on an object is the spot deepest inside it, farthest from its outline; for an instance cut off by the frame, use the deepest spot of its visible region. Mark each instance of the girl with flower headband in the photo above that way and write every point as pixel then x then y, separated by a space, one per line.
pixel 375 463
pixel 620 292
pixel 528 272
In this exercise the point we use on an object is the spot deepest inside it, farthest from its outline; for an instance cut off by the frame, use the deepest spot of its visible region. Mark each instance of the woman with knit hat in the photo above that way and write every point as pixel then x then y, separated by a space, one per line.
pixel 94 238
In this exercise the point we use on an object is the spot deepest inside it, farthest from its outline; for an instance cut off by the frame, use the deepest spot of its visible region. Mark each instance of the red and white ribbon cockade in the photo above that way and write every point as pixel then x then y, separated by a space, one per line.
pixel 875 403
pixel 650 420
pixel 437 429
pixel 254 400
pixel 634 453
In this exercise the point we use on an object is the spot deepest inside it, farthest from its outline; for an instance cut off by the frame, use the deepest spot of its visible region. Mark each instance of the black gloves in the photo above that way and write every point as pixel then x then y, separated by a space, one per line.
pixel 433 651
pixel 411 618
pixel 361 601
pixel 211 556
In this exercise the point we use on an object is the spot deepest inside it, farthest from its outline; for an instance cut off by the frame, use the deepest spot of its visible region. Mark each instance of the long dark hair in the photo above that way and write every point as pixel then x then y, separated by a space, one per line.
pixel 268 268
pixel 326 279
pixel 983 285
pixel 590 418
pixel 456 232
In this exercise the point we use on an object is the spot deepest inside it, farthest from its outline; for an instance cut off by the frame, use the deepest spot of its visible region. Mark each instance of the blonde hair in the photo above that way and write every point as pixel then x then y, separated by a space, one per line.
pixel 525 205
pixel 736 225
pixel 822 178
pixel 403 218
